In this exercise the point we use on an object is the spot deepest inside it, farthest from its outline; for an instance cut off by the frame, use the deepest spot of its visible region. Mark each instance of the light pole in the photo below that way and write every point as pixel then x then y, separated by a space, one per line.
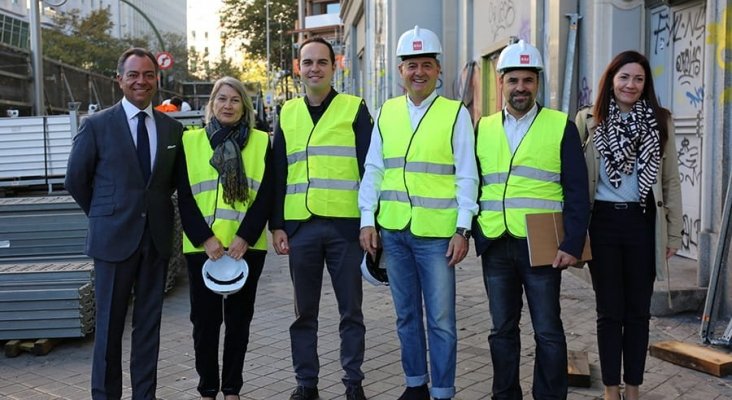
pixel 37 58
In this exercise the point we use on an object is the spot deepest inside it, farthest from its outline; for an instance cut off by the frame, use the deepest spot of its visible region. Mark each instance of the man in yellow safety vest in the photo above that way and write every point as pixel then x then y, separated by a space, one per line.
pixel 530 161
pixel 421 176
pixel 319 148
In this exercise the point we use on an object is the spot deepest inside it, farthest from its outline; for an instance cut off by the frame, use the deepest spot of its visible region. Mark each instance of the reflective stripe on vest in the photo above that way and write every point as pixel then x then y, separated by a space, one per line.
pixel 224 219
pixel 418 189
pixel 322 169
pixel 525 182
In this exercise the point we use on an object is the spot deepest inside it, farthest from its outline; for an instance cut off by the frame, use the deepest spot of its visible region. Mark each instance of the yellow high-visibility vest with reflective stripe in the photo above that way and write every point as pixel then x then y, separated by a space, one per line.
pixel 525 182
pixel 419 169
pixel 224 219
pixel 322 169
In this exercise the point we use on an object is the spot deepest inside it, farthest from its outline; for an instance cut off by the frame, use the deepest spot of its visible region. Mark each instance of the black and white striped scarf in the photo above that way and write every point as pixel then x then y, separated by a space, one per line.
pixel 623 143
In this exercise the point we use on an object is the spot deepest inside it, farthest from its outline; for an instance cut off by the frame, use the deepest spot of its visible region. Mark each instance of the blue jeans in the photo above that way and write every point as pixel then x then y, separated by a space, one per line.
pixel 506 273
pixel 418 269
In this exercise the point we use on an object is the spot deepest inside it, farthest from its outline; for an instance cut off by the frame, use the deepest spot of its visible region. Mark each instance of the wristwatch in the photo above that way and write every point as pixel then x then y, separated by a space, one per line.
pixel 464 232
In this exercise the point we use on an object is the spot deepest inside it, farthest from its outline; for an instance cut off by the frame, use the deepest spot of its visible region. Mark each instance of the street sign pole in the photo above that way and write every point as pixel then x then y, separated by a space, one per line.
pixel 39 107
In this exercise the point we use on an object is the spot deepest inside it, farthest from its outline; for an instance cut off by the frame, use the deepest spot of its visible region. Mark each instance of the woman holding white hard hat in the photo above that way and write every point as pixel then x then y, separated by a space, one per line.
pixel 225 199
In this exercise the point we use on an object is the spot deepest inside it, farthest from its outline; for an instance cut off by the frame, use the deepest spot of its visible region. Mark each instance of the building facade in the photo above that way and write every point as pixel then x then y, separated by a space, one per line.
pixel 130 18
pixel 687 42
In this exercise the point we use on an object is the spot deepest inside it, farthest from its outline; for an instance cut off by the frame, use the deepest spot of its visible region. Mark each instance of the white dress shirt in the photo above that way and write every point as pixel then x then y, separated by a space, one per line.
pixel 131 111
pixel 466 170
pixel 516 128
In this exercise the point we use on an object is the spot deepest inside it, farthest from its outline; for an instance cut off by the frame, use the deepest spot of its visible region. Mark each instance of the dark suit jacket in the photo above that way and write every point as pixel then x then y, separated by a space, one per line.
pixel 104 177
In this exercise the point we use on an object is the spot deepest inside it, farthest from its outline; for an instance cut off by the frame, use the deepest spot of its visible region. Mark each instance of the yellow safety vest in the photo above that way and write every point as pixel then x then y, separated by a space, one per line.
pixel 525 182
pixel 224 219
pixel 322 169
pixel 419 169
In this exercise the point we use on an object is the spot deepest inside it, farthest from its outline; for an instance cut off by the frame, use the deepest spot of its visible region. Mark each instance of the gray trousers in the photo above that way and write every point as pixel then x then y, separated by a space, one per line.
pixel 315 243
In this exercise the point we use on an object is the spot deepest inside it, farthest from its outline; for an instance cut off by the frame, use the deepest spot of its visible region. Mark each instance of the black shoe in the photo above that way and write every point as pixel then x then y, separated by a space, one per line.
pixel 355 393
pixel 416 393
pixel 304 393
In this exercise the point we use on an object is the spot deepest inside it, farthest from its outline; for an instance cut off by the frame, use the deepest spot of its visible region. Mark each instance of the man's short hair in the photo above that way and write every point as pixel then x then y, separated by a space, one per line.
pixel 176 101
pixel 134 51
pixel 320 40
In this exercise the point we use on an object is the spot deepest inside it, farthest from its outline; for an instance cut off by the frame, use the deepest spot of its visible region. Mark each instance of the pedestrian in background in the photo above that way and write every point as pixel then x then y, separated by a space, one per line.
pixel 225 201
pixel 636 212
pixel 172 105
pixel 421 176
pixel 319 148
pixel 530 161
pixel 121 173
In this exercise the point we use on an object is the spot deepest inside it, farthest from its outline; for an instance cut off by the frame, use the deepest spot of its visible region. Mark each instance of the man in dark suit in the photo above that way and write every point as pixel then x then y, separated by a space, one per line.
pixel 121 173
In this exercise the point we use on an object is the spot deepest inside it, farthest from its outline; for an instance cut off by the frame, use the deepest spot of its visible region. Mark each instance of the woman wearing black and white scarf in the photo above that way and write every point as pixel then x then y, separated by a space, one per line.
pixel 636 220
pixel 225 197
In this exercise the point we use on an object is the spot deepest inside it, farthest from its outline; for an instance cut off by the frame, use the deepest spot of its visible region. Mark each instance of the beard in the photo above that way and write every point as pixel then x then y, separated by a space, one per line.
pixel 521 106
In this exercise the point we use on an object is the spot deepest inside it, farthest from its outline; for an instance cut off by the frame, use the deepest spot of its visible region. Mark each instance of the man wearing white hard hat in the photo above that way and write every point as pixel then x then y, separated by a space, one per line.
pixel 530 161
pixel 421 175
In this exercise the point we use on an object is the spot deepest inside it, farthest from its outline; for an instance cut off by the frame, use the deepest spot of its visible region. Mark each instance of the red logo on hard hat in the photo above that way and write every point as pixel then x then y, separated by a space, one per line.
pixel 417 45
pixel 524 59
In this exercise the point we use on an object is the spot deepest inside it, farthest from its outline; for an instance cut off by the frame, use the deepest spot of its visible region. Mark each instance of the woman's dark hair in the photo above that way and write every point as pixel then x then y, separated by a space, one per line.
pixel 605 91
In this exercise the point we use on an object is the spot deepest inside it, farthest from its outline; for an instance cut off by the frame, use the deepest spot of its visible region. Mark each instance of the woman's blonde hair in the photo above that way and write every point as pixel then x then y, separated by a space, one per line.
pixel 248 113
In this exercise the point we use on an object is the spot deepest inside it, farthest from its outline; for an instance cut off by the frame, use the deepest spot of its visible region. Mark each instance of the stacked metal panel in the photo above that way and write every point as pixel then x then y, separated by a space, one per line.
pixel 51 300
pixel 46 282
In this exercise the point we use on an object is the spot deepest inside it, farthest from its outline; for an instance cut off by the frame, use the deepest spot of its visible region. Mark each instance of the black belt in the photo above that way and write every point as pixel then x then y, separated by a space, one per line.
pixel 610 205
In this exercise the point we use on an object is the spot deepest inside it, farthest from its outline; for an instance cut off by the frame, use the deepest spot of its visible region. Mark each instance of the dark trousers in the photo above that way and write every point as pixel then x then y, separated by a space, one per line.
pixel 623 270
pixel 208 311
pixel 113 283
pixel 506 274
pixel 316 242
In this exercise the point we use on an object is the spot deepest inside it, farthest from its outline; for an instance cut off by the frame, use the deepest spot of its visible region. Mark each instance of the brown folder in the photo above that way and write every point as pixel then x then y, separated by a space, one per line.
pixel 544 234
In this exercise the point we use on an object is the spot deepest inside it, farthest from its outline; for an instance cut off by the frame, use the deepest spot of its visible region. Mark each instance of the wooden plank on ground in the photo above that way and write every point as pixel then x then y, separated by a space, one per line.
pixel 12 348
pixel 578 369
pixel 41 347
pixel 693 356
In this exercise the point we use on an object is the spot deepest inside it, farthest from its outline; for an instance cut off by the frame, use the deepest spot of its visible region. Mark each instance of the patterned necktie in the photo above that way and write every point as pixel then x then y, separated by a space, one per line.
pixel 143 146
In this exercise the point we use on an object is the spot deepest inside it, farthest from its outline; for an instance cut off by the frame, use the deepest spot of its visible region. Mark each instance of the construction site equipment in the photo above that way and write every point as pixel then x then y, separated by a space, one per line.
pixel 714 317
pixel 46 300
pixel 35 150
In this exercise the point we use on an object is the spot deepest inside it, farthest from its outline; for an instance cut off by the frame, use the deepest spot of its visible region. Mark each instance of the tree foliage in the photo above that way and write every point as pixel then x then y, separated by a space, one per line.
pixel 87 43
pixel 203 69
pixel 84 42
pixel 246 21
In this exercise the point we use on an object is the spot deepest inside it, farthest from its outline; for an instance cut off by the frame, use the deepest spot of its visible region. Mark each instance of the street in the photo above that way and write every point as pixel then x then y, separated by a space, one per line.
pixel 65 372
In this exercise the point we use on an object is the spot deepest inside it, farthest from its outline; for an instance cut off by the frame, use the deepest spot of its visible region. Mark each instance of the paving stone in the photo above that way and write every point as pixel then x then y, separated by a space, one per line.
pixel 64 373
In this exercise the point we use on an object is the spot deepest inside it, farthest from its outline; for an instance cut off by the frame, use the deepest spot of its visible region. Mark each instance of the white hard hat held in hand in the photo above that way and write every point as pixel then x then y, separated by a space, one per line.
pixel 225 276
pixel 374 270
pixel 519 55
pixel 418 42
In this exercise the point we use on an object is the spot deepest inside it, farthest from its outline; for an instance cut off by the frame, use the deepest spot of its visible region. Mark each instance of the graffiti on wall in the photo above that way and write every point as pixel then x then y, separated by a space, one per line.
pixel 689 154
pixel 584 95
pixel 718 35
pixel 501 18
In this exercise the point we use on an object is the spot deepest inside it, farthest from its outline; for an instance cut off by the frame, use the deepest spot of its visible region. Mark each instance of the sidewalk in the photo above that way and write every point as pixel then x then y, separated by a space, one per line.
pixel 65 372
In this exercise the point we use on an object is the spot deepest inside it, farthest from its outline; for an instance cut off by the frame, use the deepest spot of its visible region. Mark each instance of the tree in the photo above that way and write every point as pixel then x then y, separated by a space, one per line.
pixel 246 20
pixel 202 69
pixel 84 42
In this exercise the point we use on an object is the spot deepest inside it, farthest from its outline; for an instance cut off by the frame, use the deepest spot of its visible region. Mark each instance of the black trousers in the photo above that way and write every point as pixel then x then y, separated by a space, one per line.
pixel 113 284
pixel 623 271
pixel 208 311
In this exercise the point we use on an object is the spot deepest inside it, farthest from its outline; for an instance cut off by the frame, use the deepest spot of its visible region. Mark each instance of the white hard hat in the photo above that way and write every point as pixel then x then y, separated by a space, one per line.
pixel 418 41
pixel 519 55
pixel 374 271
pixel 226 275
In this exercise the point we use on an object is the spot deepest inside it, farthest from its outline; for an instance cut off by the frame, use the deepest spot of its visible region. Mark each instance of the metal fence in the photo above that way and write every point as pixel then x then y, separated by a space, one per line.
pixel 63 84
